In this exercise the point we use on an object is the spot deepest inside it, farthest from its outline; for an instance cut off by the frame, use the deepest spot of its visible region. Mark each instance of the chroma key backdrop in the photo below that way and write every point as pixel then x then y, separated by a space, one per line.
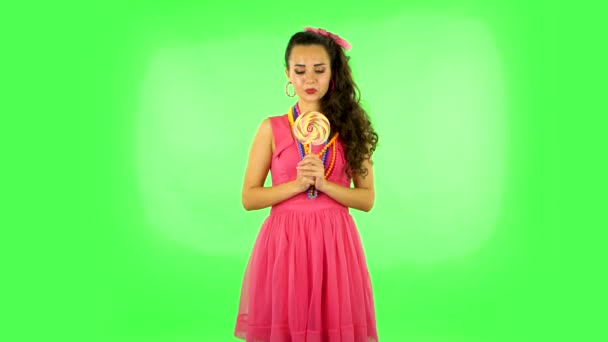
pixel 143 114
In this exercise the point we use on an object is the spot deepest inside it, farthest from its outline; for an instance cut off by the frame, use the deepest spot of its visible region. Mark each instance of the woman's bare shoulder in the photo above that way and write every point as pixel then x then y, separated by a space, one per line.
pixel 266 128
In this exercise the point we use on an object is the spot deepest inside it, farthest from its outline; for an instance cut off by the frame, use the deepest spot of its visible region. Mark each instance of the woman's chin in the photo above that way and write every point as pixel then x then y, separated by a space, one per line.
pixel 311 97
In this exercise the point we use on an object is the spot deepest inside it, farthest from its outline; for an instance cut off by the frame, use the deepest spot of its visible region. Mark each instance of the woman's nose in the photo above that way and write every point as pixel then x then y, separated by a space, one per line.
pixel 309 78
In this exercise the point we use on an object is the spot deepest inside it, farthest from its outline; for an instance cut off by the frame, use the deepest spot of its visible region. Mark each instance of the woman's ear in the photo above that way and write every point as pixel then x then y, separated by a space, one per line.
pixel 287 72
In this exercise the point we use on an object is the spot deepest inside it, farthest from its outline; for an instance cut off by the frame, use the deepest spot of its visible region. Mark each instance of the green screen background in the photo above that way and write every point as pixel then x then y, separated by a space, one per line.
pixel 133 123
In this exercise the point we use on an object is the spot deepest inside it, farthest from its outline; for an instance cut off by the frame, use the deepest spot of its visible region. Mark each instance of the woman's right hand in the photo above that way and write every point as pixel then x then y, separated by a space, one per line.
pixel 303 183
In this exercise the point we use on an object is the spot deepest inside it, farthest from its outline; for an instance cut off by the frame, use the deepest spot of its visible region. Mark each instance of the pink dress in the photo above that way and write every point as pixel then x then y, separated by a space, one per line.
pixel 307 278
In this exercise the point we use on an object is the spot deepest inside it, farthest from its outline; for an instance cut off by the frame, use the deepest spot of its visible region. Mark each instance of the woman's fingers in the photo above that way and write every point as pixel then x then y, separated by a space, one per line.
pixel 311 159
pixel 315 173
pixel 311 167
pixel 310 162
pixel 314 169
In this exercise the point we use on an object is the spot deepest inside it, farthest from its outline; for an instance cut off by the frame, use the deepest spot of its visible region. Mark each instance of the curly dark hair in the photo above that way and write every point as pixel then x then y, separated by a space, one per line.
pixel 342 106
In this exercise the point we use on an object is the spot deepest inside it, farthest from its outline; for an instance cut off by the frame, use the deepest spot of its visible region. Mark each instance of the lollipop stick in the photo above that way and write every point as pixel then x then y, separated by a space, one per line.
pixel 310 151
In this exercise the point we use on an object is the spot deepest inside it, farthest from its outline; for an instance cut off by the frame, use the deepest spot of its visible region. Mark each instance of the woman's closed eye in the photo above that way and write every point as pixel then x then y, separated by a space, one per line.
pixel 317 71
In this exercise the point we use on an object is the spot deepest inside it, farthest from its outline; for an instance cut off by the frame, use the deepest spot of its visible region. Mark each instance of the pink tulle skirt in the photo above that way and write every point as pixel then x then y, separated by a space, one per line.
pixel 307 281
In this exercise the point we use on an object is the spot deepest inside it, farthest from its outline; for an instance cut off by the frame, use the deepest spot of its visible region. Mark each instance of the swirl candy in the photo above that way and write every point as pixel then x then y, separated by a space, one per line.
pixel 311 127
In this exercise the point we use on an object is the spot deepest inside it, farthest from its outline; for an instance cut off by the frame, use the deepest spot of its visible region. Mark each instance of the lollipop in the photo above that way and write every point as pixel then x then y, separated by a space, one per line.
pixel 311 128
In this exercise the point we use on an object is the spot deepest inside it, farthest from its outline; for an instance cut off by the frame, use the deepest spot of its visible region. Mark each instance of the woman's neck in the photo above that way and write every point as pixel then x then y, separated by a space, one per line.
pixel 308 106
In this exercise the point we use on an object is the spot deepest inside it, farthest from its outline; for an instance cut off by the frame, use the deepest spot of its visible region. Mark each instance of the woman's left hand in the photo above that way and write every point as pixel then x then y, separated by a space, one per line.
pixel 312 166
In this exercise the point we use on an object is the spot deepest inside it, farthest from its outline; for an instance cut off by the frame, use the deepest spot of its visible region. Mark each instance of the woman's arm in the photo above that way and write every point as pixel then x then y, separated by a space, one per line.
pixel 255 195
pixel 361 197
pixel 260 197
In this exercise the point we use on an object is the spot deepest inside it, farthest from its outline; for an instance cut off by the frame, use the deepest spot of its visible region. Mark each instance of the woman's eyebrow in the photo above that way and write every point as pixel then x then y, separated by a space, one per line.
pixel 302 65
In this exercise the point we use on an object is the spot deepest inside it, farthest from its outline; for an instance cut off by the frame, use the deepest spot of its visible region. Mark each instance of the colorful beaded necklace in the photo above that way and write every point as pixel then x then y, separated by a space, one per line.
pixel 293 114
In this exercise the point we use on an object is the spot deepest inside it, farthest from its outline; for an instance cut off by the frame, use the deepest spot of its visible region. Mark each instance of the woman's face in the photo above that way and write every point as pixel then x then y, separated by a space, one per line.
pixel 309 71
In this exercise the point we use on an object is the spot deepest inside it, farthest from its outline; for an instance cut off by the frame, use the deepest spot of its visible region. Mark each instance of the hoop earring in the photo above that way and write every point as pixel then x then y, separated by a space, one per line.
pixel 287 90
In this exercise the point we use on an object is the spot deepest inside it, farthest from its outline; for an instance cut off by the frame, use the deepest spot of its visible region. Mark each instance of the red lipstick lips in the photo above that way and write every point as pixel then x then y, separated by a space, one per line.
pixel 311 90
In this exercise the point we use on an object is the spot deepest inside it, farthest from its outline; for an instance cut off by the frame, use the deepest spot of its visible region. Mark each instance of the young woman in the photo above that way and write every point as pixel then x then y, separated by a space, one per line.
pixel 307 278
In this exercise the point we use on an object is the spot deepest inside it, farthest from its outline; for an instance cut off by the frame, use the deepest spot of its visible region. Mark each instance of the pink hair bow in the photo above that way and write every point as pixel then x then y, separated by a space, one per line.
pixel 343 43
